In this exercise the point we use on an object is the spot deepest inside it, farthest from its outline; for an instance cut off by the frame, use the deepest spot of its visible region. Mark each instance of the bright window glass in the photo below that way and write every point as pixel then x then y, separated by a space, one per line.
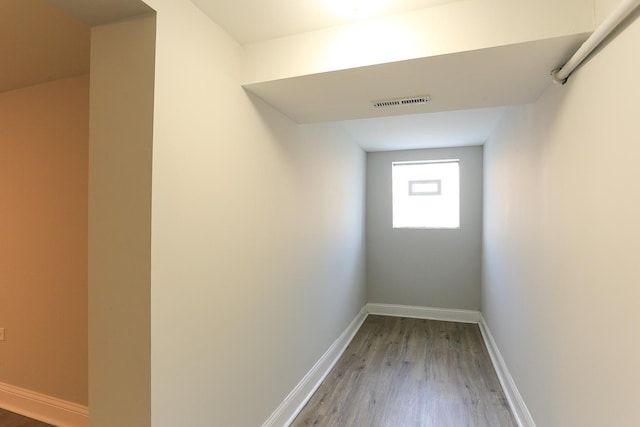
pixel 426 194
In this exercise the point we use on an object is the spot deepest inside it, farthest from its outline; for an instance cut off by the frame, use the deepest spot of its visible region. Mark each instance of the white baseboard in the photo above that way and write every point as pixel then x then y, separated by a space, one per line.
pixel 451 315
pixel 519 408
pixel 42 407
pixel 300 395
pixel 295 401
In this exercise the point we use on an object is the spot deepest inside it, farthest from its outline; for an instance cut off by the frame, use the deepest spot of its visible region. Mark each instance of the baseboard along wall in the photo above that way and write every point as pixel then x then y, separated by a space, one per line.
pixel 67 414
pixel 44 408
pixel 451 315
pixel 300 395
pixel 518 406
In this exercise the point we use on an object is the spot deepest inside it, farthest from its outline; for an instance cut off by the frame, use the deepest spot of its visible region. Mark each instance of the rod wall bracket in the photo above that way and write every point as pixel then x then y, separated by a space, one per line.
pixel 556 79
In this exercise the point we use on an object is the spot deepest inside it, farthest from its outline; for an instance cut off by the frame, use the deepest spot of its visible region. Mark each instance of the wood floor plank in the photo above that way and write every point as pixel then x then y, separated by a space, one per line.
pixel 411 372
pixel 10 419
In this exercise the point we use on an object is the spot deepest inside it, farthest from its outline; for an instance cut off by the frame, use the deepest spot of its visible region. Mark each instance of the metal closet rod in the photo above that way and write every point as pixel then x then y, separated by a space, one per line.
pixel 624 9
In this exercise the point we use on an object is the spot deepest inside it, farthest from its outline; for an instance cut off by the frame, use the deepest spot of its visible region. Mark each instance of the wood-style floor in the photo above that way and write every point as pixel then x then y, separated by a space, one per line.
pixel 400 372
pixel 9 419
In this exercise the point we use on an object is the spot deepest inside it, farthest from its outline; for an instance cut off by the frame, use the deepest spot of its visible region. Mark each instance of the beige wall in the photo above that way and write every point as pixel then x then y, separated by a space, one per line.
pixel 429 268
pixel 603 8
pixel 562 202
pixel 43 224
pixel 121 127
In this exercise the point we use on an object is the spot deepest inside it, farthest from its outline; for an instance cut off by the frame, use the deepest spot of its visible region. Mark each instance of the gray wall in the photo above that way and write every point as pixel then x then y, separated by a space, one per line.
pixel 561 272
pixel 422 267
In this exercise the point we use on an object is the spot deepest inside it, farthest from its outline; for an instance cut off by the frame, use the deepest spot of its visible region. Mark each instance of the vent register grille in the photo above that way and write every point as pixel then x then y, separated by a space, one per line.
pixel 401 102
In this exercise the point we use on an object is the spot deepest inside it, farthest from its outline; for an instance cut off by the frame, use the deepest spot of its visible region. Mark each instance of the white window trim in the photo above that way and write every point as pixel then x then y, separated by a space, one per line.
pixel 422 162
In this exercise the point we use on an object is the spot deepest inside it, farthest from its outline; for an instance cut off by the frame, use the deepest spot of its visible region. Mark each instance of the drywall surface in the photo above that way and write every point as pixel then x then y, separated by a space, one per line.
pixel 603 9
pixel 121 127
pixel 560 282
pixel 424 267
pixel 43 224
pixel 39 44
pixel 257 235
pixel 438 30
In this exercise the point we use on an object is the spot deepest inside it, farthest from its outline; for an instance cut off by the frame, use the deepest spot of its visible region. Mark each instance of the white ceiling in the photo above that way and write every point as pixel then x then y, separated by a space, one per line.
pixel 492 77
pixel 423 130
pixel 250 21
pixel 469 89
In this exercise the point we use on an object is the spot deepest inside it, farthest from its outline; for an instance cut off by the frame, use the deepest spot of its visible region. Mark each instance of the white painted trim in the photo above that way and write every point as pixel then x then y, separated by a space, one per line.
pixel 518 406
pixel 42 407
pixel 451 315
pixel 300 395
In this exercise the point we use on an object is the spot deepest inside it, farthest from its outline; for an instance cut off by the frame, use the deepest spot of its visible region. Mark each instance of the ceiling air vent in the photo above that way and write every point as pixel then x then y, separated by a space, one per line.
pixel 400 102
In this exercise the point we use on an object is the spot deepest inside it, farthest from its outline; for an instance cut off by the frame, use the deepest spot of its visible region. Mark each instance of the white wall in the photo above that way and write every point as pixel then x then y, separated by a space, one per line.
pixel 257 235
pixel 562 238
pixel 430 268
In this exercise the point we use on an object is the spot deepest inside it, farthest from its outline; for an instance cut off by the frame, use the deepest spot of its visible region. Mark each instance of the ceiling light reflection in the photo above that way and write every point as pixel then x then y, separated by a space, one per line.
pixel 356 9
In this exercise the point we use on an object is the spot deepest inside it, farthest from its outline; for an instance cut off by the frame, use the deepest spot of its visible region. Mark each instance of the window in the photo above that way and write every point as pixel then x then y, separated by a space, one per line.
pixel 426 194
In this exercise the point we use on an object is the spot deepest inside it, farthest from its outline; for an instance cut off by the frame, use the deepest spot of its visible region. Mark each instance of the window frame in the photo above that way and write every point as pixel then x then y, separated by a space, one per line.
pixel 458 161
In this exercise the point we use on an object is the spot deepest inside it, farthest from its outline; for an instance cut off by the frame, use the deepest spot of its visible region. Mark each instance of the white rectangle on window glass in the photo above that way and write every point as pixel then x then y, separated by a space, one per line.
pixel 428 187
pixel 439 211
